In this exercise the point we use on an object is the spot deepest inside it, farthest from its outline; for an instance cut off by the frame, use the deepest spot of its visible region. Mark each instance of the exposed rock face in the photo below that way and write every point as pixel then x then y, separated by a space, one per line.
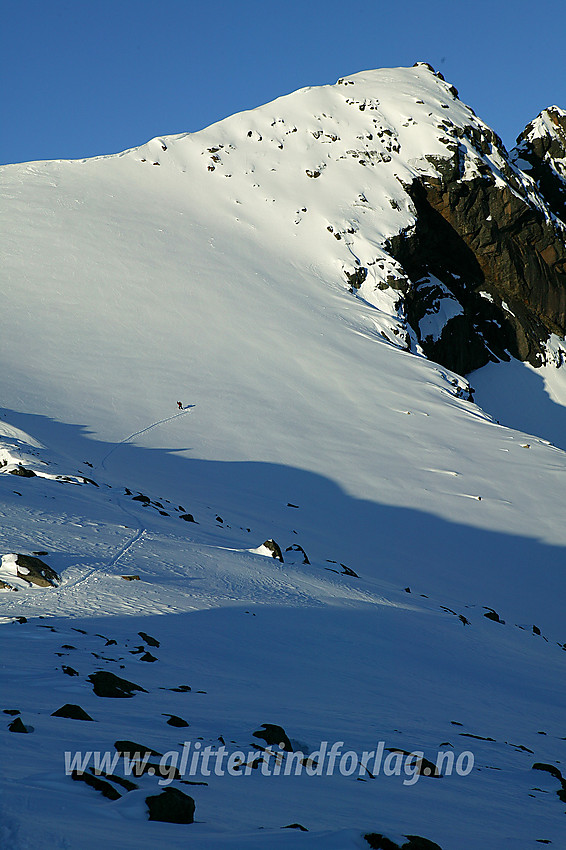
pixel 485 252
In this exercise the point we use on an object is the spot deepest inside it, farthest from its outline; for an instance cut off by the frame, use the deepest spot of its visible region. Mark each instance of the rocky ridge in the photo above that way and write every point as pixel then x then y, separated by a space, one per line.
pixel 489 241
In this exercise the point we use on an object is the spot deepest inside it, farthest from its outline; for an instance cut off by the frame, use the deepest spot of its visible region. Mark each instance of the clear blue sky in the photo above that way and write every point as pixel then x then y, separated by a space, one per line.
pixel 84 78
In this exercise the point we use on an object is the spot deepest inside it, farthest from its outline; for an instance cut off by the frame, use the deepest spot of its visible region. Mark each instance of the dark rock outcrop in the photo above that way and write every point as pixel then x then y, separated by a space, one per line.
pixel 483 245
pixel 133 750
pixel 296 548
pixel 35 571
pixel 171 806
pixel 105 788
pixel 174 720
pixel 107 684
pixel 73 712
pixel 557 774
pixel 18 725
pixel 275 736
pixel 275 549
pixel 377 841
pixel 151 641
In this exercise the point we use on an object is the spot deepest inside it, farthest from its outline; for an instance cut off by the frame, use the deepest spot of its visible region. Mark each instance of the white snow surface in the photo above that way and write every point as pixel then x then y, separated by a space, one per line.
pixel 216 279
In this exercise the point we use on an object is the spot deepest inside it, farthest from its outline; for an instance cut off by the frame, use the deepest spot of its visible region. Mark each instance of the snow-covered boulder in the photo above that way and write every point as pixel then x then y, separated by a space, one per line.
pixel 21 571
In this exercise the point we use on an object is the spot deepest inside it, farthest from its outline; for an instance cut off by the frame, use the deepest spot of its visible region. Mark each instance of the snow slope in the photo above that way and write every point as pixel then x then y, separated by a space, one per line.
pixel 206 268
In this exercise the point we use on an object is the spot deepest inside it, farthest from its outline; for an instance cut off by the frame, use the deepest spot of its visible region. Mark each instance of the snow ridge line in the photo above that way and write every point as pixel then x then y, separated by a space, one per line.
pixel 100 465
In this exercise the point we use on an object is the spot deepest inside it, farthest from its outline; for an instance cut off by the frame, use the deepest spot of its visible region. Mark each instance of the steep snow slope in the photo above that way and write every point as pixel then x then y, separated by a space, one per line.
pixel 207 268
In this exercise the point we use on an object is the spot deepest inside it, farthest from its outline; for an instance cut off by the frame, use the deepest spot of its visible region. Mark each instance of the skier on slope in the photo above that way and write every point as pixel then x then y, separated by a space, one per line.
pixel 180 405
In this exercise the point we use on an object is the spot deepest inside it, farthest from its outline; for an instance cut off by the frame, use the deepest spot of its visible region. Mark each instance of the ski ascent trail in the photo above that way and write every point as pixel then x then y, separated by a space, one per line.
pixel 188 409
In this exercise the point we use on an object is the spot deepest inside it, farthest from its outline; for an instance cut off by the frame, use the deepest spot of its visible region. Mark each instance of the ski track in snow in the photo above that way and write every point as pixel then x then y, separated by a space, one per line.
pixel 101 464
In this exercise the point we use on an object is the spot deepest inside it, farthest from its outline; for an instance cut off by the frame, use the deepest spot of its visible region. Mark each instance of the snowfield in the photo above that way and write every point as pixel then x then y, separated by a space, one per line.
pixel 420 600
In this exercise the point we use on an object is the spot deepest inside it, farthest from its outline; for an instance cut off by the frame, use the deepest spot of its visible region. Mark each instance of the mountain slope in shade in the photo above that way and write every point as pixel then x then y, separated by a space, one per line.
pixel 252 271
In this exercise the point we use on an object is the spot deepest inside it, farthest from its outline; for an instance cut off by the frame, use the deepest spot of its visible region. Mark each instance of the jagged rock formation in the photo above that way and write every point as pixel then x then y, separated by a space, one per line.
pixel 487 250
pixel 541 153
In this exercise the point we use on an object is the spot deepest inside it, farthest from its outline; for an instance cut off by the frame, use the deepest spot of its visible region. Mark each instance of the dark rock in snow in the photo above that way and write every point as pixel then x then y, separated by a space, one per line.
pixel 35 571
pixel 356 277
pixel 17 725
pixel 274 735
pixel 171 806
pixel 133 750
pixel 295 826
pixel 23 472
pixel 73 712
pixel 187 517
pixel 550 768
pixel 98 784
pixel 175 721
pixel 425 767
pixel 377 841
pixel 297 548
pixel 119 780
pixel 151 641
pixel 70 671
pixel 147 656
pixel 493 615
pixel 130 578
pixel 106 684
pixel 274 549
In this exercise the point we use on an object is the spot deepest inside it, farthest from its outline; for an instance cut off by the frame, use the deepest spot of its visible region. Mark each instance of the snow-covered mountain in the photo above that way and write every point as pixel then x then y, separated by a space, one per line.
pixel 243 488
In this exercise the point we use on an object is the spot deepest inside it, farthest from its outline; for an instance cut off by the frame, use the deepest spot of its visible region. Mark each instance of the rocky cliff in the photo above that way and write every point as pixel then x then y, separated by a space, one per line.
pixel 489 244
